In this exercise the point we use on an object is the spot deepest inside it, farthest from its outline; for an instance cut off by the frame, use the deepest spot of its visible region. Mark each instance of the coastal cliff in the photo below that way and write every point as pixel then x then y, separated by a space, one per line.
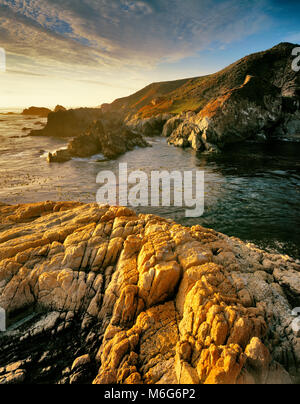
pixel 273 66
pixel 256 98
pixel 98 294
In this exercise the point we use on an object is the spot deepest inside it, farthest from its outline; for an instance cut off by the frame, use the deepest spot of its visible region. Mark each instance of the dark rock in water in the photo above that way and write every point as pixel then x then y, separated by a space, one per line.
pixel 260 138
pixel 60 156
pixel 68 123
pixel 107 136
pixel 38 111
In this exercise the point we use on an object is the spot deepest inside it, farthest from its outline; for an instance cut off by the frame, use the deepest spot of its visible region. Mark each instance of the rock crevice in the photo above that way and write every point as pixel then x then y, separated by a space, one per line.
pixel 123 298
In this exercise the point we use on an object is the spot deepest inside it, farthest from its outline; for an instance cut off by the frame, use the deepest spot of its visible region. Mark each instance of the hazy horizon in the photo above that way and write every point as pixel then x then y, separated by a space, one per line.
pixel 84 52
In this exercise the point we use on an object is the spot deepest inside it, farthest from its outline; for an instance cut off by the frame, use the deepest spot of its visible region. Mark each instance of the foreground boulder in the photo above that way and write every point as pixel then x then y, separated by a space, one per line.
pixel 102 295
pixel 108 137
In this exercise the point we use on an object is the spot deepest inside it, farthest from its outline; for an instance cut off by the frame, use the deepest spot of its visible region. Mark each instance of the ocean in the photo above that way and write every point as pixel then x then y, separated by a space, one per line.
pixel 252 190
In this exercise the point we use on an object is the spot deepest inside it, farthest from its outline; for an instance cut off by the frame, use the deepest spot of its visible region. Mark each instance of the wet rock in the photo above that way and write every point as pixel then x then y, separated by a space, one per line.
pixel 60 156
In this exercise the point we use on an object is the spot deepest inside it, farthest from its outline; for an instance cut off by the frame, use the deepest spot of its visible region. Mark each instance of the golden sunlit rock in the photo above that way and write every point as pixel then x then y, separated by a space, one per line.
pixel 108 296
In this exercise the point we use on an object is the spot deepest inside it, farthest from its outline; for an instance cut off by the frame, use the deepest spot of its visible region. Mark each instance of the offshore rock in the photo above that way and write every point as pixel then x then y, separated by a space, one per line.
pixel 108 137
pixel 37 111
pixel 98 294
pixel 68 123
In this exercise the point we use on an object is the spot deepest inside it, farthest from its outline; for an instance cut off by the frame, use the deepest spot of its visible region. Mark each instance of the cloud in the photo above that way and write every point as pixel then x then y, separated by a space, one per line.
pixel 110 34
pixel 24 73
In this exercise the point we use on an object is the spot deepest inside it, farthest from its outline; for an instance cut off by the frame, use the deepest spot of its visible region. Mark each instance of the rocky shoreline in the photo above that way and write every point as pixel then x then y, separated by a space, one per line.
pixel 256 98
pixel 101 295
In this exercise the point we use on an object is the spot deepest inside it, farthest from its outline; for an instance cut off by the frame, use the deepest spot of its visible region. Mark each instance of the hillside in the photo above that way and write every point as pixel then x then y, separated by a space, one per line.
pixel 257 98
pixel 174 97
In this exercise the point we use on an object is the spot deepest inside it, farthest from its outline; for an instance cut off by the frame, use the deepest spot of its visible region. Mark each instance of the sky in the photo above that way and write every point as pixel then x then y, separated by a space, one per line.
pixel 88 52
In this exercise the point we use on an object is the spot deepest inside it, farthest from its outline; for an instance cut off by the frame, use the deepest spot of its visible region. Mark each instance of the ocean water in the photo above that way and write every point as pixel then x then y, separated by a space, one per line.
pixel 252 191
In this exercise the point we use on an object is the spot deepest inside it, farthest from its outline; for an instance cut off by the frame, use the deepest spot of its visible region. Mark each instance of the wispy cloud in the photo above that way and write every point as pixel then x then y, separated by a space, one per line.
pixel 84 52
pixel 24 73
pixel 108 34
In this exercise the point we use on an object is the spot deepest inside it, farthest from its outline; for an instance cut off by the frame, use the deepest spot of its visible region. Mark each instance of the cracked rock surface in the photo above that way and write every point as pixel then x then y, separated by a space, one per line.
pixel 100 295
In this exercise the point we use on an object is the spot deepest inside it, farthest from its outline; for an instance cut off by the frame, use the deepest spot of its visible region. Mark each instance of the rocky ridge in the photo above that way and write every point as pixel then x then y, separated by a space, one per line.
pixel 258 97
pixel 97 294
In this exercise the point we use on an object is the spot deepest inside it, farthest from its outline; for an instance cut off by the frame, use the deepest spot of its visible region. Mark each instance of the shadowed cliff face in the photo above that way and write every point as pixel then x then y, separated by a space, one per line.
pixel 101 295
pixel 251 110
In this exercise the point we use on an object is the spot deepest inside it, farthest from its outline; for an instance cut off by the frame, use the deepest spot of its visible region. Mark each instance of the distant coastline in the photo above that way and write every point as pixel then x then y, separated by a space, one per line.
pixel 5 111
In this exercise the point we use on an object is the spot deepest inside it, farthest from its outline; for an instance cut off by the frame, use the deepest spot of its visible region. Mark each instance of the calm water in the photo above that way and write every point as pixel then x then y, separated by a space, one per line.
pixel 251 191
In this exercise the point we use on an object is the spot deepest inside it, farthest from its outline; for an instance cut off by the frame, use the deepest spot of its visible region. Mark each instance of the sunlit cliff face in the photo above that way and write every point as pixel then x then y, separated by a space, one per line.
pixel 86 52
